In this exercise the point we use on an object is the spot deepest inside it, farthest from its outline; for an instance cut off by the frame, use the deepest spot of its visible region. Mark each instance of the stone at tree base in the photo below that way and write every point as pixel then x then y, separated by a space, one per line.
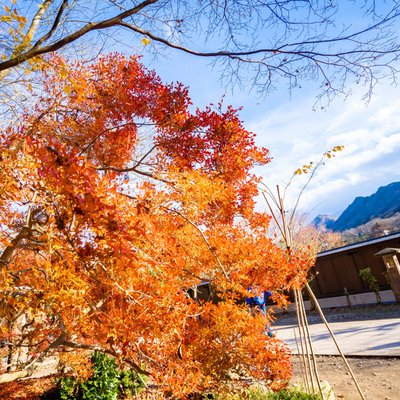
pixel 327 390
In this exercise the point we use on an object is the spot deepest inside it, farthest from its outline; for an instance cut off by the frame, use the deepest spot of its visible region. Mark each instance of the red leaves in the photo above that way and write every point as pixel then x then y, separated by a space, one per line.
pixel 116 101
pixel 216 142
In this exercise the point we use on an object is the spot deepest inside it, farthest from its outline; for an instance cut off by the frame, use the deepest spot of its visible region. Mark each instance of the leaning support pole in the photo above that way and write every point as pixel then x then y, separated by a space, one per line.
pixel 301 361
pixel 312 353
pixel 304 350
pixel 321 314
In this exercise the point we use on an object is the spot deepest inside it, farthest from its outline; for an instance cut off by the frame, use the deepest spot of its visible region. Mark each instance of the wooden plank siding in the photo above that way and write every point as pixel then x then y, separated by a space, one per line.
pixel 337 269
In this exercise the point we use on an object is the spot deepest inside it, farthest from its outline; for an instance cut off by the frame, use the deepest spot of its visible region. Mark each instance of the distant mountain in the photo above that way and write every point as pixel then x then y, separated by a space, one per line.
pixel 323 220
pixel 382 204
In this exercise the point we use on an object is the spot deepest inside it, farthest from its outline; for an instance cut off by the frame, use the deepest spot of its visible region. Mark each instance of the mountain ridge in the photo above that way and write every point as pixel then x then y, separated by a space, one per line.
pixel 384 203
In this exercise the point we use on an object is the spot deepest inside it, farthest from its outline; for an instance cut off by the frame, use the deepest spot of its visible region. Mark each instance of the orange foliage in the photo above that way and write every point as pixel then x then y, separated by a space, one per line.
pixel 30 389
pixel 115 199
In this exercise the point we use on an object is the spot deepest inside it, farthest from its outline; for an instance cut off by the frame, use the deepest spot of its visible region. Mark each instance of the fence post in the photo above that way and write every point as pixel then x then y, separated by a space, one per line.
pixel 389 256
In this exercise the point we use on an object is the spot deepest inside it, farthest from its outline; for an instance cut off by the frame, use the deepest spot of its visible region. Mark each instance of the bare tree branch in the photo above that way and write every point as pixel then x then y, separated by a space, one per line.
pixel 24 233
pixel 57 20
pixel 271 39
pixel 36 20
pixel 36 50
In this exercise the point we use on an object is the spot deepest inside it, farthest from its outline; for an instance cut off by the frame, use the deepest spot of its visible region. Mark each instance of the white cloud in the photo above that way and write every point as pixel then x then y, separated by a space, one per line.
pixel 296 135
pixel 371 136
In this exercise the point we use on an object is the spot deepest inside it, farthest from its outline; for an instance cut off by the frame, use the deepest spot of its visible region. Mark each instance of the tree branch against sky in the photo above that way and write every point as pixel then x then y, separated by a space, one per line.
pixel 336 43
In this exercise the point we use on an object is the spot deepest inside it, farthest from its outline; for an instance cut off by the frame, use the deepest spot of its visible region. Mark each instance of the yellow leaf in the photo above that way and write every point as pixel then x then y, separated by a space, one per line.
pixel 68 89
pixel 298 171
pixel 5 18
pixel 146 41
pixel 63 73
pixel 7 9
pixel 338 148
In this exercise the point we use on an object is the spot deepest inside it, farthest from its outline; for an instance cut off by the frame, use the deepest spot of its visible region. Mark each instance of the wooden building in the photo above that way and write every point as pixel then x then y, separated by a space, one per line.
pixel 337 269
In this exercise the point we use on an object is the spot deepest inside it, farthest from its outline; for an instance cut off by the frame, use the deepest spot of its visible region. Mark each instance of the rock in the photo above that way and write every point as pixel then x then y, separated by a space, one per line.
pixel 327 390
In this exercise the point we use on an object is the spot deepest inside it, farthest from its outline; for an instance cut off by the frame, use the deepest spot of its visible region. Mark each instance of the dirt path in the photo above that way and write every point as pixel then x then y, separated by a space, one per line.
pixel 378 378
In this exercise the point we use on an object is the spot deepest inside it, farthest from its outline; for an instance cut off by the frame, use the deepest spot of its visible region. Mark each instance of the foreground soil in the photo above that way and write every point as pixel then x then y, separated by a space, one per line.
pixel 378 378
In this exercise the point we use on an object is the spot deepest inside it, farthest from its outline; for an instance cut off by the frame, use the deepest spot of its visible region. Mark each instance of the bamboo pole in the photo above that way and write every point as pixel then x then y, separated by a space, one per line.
pixel 321 314
pixel 299 355
pixel 301 339
pixel 306 342
pixel 313 359
pixel 304 334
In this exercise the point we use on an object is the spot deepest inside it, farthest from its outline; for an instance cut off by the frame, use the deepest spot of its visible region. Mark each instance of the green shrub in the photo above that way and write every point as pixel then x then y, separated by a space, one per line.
pixel 107 382
pixel 367 276
pixel 291 394
pixel 131 383
pixel 103 385
pixel 67 388
pixel 258 393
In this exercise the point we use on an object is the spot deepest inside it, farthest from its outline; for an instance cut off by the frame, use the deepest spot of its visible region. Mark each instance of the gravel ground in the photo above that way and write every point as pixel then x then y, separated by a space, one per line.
pixel 356 313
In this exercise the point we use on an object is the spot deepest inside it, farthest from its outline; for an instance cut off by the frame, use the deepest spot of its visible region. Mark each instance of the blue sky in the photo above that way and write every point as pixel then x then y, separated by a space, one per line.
pixel 370 134
pixel 286 124
pixel 295 134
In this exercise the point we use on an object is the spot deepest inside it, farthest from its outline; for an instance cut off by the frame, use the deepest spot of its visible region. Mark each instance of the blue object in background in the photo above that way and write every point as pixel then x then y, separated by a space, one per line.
pixel 260 303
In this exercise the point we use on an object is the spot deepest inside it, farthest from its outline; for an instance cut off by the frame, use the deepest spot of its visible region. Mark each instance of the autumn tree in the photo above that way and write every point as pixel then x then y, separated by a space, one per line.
pixel 307 236
pixel 335 43
pixel 117 196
